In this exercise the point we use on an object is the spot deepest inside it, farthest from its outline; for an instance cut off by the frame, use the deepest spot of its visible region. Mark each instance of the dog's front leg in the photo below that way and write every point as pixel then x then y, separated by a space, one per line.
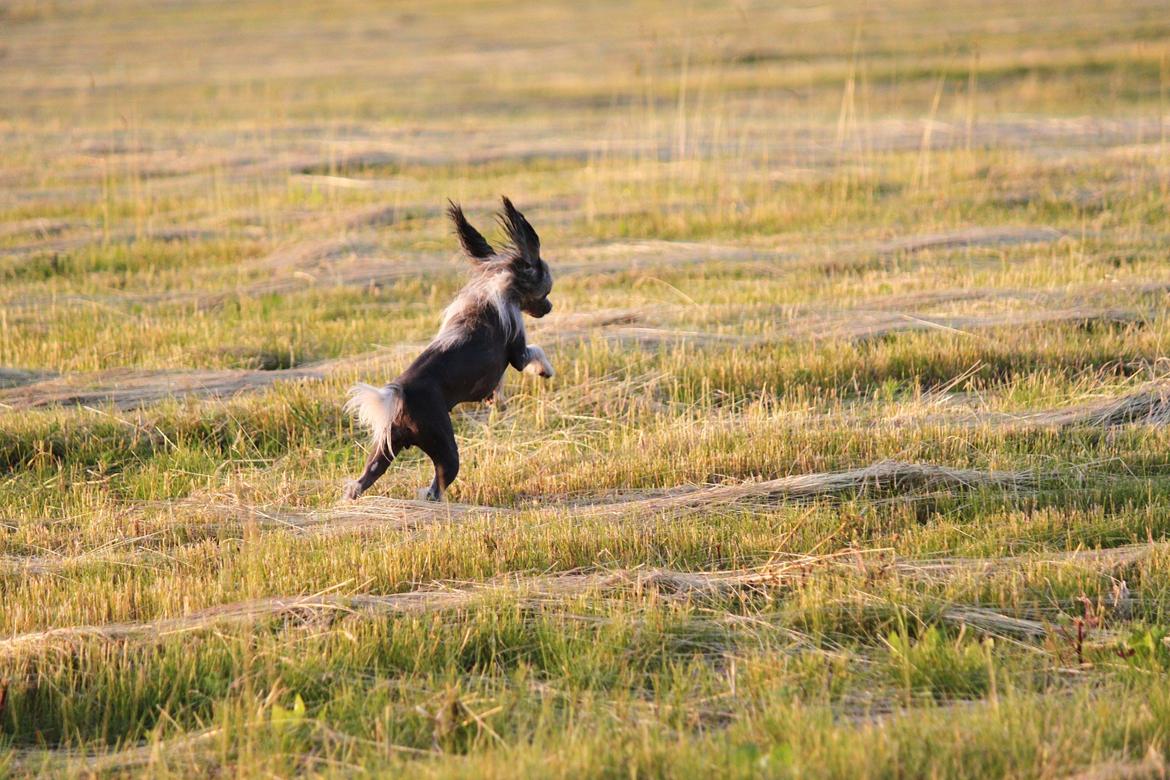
pixel 536 362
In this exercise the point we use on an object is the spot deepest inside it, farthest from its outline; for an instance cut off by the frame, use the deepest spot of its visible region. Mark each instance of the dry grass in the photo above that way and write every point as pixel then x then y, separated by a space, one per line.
pixel 1148 405
pixel 783 572
pixel 854 463
pixel 880 479
pixel 127 389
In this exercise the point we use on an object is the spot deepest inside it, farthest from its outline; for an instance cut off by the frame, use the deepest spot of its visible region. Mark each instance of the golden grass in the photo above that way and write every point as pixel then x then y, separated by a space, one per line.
pixel 854 463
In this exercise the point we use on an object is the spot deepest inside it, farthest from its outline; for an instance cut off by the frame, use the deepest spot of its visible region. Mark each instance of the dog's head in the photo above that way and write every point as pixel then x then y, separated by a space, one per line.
pixel 530 279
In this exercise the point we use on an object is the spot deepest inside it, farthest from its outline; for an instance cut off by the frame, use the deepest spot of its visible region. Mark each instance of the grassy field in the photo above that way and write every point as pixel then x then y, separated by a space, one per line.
pixel 855 464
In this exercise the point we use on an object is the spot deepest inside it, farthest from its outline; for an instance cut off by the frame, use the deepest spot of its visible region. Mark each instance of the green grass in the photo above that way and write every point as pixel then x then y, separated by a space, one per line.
pixel 738 202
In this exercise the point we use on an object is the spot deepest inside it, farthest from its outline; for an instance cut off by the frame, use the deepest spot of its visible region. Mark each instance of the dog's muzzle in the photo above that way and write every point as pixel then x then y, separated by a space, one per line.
pixel 539 308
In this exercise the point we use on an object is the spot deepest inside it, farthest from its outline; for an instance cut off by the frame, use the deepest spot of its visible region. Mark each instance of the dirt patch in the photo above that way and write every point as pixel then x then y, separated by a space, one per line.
pixel 15 377
pixel 168 235
pixel 131 389
pixel 976 236
pixel 39 227
pixel 864 326
pixel 305 254
pixel 68 762
pixel 1152 767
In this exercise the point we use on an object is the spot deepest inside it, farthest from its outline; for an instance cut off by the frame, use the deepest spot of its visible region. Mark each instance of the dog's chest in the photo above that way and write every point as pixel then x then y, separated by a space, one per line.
pixel 485 386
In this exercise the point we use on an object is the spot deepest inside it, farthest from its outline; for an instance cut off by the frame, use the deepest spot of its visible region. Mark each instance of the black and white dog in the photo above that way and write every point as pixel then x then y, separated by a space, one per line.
pixel 481 335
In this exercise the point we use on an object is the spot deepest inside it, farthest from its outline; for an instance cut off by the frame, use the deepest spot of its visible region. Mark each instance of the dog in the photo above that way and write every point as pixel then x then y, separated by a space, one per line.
pixel 482 333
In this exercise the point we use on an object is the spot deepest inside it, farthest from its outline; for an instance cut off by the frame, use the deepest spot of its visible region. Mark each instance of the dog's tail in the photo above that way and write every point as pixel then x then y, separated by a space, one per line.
pixel 376 408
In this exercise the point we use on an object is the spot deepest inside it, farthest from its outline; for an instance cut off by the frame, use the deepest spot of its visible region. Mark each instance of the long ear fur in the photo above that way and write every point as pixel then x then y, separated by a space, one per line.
pixel 475 245
pixel 520 233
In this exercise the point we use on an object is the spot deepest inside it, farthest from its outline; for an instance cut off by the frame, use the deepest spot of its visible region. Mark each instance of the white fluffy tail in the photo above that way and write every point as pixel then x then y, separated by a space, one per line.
pixel 376 408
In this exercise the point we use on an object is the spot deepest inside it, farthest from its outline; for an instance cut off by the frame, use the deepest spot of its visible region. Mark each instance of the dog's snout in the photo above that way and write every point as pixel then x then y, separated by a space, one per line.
pixel 539 307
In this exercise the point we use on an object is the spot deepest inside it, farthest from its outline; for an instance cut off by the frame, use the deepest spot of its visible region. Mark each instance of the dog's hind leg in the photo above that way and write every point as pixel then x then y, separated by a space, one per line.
pixel 498 398
pixel 377 408
pixel 379 460
pixel 441 448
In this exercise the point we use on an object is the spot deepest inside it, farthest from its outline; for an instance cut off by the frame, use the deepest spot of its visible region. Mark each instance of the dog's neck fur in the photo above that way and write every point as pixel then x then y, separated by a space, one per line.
pixel 492 287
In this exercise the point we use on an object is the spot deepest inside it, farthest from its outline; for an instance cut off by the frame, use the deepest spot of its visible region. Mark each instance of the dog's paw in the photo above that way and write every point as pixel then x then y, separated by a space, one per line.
pixel 538 363
pixel 425 494
pixel 352 490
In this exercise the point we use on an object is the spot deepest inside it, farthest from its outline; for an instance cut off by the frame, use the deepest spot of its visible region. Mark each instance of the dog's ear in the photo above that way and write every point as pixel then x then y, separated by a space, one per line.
pixel 474 244
pixel 520 233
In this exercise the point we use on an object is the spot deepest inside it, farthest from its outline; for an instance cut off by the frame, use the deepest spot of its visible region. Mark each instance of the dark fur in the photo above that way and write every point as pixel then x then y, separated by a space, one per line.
pixel 482 334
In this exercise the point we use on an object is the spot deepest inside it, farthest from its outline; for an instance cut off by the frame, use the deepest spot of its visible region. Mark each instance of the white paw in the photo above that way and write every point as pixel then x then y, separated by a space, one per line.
pixel 538 363
pixel 425 494
pixel 352 490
